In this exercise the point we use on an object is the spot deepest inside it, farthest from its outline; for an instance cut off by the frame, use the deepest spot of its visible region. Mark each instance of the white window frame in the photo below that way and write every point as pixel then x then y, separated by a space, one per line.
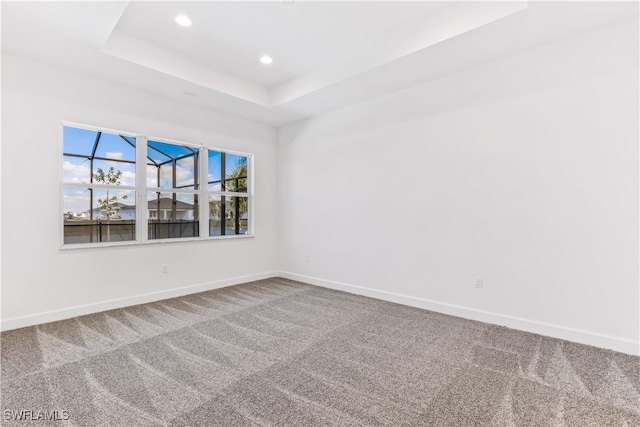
pixel 141 191
pixel 248 194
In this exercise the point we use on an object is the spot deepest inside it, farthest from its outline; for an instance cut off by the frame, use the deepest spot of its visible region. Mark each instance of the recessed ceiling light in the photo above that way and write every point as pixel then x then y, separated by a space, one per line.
pixel 183 20
pixel 266 59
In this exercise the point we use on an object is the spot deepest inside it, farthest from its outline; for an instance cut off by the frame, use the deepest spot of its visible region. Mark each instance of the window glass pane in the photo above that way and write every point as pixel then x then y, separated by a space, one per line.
pixel 228 215
pixel 153 179
pixel 163 151
pixel 166 175
pixel 116 147
pixel 235 172
pixel 87 152
pixel 76 169
pixel 173 215
pixel 78 141
pixel 214 172
pixel 98 215
pixel 236 176
pixel 185 172
pixel 122 173
pixel 171 165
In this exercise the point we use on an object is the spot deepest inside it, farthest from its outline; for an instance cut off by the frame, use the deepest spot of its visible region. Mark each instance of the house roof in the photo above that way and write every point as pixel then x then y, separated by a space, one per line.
pixel 165 204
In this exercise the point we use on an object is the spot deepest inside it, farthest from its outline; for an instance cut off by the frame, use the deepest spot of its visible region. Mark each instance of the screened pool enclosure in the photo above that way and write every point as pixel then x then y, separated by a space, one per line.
pixel 103 194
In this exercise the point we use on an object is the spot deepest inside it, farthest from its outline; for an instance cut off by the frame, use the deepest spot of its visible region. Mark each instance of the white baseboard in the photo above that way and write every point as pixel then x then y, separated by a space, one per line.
pixel 622 345
pixel 66 313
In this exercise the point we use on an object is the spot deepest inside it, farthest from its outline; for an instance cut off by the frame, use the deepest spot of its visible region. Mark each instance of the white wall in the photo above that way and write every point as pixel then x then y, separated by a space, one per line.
pixel 523 171
pixel 40 282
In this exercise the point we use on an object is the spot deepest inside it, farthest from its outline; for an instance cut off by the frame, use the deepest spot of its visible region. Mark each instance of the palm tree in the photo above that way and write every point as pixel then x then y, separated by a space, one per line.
pixel 237 182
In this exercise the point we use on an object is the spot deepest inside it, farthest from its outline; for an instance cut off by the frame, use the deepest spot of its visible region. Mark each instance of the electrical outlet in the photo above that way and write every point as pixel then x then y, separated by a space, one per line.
pixel 479 283
pixel 165 269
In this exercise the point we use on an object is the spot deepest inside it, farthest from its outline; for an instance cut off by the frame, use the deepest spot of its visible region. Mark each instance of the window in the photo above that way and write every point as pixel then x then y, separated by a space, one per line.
pixel 184 191
pixel 227 194
pixel 172 183
pixel 99 193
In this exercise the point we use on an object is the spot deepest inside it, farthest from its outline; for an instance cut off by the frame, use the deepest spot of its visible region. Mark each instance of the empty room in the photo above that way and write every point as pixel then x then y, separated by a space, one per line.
pixel 320 213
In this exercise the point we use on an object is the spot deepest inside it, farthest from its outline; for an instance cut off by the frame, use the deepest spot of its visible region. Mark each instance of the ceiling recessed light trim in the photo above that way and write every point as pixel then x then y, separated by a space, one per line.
pixel 266 59
pixel 183 20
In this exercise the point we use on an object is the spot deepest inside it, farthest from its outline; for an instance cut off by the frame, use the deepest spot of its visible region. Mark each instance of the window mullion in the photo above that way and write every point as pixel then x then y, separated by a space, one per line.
pixel 142 210
pixel 204 196
pixel 250 210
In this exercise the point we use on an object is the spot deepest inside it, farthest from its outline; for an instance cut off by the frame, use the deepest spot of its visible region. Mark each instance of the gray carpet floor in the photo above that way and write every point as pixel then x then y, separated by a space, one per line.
pixel 278 352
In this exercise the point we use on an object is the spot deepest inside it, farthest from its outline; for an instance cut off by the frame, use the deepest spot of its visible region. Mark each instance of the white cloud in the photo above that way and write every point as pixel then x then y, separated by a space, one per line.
pixel 184 176
pixel 78 199
pixel 117 165
pixel 116 155
pixel 152 176
pixel 75 173
pixel 128 178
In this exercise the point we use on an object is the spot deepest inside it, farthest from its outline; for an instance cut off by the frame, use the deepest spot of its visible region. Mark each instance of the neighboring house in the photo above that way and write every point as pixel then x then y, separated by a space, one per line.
pixel 70 215
pixel 119 211
pixel 163 210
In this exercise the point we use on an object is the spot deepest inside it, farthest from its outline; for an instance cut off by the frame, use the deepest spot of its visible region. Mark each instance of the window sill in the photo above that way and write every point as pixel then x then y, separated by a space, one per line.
pixel 154 242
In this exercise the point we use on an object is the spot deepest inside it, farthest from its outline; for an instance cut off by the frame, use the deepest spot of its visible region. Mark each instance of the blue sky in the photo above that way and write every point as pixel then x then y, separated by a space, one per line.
pixel 81 141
